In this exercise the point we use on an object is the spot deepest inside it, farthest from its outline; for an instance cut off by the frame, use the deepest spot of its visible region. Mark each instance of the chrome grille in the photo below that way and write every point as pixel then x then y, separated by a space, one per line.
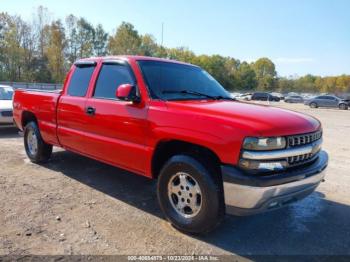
pixel 299 140
pixel 296 160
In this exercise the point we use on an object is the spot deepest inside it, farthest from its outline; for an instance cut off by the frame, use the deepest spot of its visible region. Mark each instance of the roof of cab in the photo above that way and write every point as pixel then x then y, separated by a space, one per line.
pixel 132 58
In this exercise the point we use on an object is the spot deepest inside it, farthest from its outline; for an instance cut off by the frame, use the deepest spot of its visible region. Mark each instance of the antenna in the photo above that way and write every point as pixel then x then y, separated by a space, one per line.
pixel 162 34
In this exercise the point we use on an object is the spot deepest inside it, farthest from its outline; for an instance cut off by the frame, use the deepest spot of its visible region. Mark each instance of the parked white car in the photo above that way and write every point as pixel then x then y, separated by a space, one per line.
pixel 246 97
pixel 6 107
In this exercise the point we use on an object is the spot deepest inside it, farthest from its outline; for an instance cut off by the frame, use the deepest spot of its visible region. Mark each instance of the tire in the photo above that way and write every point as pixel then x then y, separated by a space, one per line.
pixel 343 107
pixel 37 150
pixel 313 105
pixel 209 201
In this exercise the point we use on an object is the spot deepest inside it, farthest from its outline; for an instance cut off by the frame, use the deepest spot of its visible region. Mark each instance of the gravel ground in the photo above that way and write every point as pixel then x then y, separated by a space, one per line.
pixel 74 205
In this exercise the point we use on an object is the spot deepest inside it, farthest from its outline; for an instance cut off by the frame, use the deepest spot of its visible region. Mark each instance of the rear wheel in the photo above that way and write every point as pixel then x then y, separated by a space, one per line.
pixel 343 107
pixel 313 105
pixel 37 150
pixel 190 194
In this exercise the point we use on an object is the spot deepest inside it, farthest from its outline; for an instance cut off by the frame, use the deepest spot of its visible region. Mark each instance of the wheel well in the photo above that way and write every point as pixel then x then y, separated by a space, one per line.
pixel 166 150
pixel 28 117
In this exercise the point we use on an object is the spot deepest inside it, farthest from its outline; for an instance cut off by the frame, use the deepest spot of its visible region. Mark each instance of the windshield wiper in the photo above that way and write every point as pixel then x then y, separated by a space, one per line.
pixel 225 98
pixel 196 94
pixel 187 92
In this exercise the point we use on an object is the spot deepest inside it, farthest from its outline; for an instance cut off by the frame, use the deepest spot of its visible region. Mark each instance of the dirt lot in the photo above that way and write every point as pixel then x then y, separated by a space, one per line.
pixel 74 205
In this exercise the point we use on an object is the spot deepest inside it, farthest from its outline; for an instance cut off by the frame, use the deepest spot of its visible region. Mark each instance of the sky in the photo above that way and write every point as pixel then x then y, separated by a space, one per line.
pixel 299 36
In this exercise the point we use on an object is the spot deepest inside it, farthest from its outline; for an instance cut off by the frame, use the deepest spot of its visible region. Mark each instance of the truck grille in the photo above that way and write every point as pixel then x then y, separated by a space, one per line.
pixel 7 113
pixel 301 159
pixel 299 140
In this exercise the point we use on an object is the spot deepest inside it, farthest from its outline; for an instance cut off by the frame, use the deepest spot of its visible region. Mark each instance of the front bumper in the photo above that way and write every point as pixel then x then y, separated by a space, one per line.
pixel 250 194
pixel 6 119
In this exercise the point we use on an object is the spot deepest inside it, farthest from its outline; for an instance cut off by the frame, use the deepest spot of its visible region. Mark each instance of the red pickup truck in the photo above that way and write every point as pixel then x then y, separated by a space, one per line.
pixel 174 122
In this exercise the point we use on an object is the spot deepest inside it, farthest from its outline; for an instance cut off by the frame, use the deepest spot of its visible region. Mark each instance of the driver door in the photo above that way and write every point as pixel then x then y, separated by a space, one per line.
pixel 117 128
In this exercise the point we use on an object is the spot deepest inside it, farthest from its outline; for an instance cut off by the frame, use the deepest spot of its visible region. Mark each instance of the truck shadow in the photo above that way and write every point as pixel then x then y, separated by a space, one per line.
pixel 8 132
pixel 120 184
pixel 314 225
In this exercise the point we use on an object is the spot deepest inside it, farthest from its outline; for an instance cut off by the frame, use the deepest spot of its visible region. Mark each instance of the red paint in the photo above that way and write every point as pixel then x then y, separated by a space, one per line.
pixel 125 134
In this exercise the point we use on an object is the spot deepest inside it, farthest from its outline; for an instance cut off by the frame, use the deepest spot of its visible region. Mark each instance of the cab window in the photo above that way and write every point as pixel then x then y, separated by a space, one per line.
pixel 111 76
pixel 80 80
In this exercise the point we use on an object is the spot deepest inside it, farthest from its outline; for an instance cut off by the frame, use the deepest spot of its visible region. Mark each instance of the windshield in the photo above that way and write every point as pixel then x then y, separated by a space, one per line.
pixel 6 93
pixel 171 81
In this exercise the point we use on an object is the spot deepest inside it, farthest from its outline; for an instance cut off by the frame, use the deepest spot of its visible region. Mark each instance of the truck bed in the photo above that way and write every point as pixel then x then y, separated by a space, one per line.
pixel 43 104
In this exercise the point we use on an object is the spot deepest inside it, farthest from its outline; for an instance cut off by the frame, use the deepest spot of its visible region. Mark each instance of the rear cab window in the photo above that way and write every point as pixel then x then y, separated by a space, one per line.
pixel 80 79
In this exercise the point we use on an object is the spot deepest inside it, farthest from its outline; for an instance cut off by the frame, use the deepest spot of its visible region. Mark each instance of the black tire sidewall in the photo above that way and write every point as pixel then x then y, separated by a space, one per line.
pixel 212 208
pixel 343 107
pixel 44 150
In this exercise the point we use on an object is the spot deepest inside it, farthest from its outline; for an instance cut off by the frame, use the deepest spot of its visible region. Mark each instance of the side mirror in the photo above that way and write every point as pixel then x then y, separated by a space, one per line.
pixel 127 92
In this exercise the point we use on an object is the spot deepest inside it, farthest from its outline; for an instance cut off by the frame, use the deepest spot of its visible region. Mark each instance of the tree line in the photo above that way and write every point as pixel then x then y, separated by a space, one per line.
pixel 43 51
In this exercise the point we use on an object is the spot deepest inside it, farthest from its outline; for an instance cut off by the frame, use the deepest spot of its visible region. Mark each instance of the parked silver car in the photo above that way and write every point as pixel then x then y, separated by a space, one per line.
pixel 328 101
pixel 6 108
pixel 294 99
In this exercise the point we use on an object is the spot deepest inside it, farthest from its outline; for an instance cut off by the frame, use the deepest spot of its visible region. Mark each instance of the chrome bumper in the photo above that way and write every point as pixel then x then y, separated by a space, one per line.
pixel 245 197
pixel 6 120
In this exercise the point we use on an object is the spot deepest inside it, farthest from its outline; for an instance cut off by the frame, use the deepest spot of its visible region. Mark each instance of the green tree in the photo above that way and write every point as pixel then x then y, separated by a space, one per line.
pixel 285 85
pixel 72 38
pixel 246 77
pixel 181 54
pixel 54 50
pixel 100 41
pixel 265 73
pixel 11 46
pixel 148 46
pixel 39 63
pixel 85 38
pixel 126 41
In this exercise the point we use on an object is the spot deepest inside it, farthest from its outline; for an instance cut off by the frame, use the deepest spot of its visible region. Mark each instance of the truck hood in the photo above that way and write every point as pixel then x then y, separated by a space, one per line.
pixel 6 104
pixel 262 120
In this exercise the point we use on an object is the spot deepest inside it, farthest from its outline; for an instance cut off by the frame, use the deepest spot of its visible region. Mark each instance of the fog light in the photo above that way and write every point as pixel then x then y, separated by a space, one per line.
pixel 271 165
pixel 262 166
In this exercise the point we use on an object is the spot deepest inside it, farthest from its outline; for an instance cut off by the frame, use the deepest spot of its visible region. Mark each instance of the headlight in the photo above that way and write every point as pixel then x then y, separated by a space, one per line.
pixel 267 143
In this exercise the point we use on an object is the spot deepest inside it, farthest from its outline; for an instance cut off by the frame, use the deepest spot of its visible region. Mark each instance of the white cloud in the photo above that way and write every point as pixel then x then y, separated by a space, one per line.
pixel 293 60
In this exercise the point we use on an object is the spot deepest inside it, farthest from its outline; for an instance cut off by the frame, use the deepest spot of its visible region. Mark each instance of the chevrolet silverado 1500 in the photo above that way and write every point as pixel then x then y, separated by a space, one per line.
pixel 173 122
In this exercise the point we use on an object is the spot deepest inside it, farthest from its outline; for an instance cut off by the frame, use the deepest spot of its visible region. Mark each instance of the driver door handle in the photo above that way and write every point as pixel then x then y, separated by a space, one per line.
pixel 90 110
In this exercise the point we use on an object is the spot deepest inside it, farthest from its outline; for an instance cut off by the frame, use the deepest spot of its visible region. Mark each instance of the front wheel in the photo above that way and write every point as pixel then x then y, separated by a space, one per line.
pixel 190 194
pixel 343 107
pixel 37 150
pixel 313 105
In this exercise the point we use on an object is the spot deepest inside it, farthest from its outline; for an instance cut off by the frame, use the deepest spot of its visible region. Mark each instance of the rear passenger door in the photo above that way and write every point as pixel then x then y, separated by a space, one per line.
pixel 117 129
pixel 72 120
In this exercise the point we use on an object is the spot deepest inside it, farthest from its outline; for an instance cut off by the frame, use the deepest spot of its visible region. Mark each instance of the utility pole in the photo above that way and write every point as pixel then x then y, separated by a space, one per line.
pixel 162 34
